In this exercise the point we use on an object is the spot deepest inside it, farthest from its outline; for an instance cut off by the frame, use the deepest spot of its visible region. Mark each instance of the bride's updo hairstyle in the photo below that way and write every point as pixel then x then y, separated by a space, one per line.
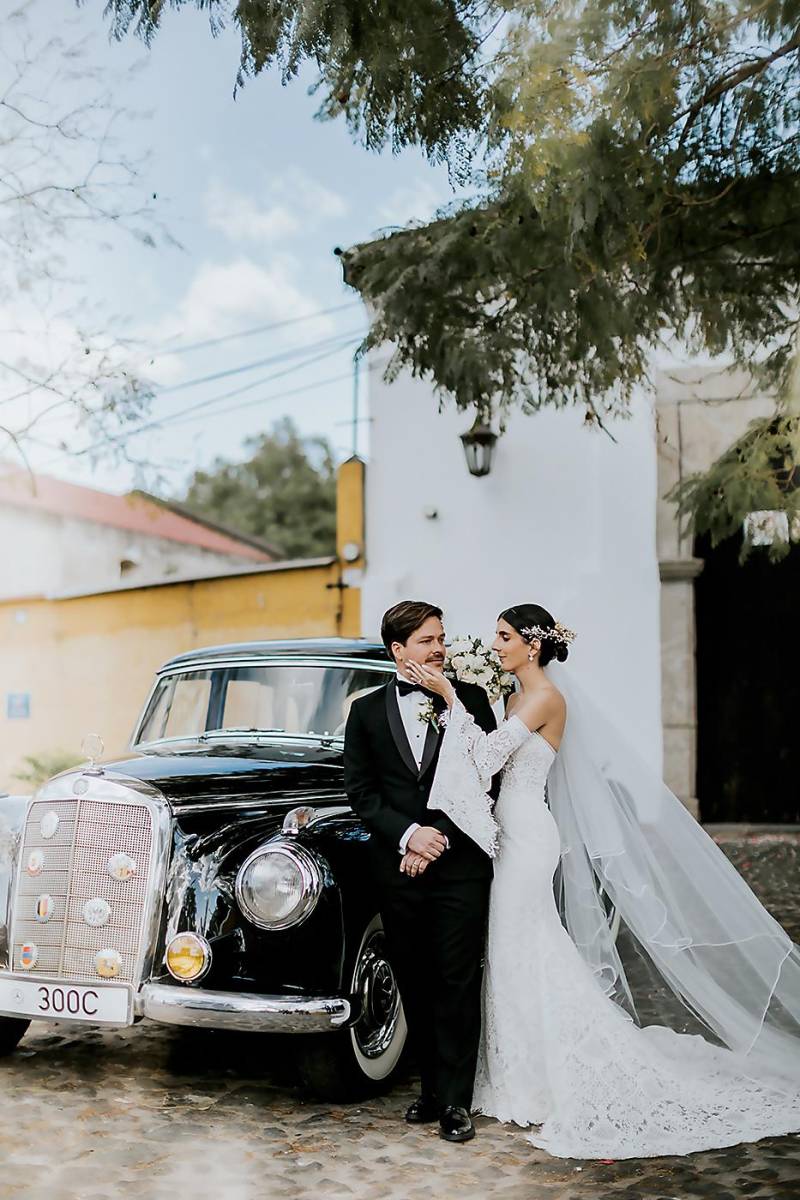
pixel 526 617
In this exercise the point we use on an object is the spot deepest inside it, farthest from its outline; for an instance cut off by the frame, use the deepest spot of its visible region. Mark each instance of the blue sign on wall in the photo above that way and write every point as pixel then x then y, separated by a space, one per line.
pixel 18 705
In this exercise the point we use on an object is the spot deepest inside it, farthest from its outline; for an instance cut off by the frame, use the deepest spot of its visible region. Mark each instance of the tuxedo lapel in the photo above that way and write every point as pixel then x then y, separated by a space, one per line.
pixel 397 730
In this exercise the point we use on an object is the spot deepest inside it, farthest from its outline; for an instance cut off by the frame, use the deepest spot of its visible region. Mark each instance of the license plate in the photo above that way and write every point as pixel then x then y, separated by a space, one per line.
pixel 57 1001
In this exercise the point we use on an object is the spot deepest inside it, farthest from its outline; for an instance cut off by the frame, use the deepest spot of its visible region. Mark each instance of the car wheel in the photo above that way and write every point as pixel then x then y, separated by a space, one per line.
pixel 12 1030
pixel 362 1060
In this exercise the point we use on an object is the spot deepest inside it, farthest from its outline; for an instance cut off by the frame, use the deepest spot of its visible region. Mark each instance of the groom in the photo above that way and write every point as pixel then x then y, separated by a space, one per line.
pixel 433 881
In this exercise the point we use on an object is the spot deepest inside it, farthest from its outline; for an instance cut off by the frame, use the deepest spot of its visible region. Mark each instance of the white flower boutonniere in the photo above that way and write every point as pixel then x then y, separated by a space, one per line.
pixel 428 715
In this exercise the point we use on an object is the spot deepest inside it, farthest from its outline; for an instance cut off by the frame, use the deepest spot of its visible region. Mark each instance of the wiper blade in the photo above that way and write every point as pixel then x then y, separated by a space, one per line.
pixel 238 729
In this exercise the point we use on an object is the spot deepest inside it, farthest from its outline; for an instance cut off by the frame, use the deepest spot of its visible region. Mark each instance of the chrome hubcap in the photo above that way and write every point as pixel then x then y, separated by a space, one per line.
pixel 380 999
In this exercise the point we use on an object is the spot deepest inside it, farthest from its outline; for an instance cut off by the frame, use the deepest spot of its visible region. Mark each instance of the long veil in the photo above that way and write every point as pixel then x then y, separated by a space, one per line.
pixel 671 930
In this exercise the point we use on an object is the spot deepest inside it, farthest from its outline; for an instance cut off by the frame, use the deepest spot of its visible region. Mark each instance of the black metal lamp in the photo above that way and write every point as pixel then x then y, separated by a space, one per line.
pixel 479 443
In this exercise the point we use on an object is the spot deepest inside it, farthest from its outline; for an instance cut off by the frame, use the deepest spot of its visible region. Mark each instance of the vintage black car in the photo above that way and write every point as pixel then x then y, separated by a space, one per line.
pixel 215 876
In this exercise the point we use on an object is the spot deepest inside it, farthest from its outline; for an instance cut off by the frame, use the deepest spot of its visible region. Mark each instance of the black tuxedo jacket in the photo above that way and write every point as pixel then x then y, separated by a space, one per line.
pixel 389 793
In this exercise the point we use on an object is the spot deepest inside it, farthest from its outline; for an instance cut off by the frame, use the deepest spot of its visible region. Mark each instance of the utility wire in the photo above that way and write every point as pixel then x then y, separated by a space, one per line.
pixel 158 422
pixel 307 387
pixel 282 396
pixel 165 347
pixel 296 352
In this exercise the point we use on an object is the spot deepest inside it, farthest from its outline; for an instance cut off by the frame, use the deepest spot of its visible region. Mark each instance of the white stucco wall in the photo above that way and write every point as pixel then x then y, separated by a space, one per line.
pixel 566 519
pixel 47 554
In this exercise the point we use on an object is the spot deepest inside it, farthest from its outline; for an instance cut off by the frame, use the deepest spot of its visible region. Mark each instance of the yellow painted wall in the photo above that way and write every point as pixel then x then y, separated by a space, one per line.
pixel 350 531
pixel 88 662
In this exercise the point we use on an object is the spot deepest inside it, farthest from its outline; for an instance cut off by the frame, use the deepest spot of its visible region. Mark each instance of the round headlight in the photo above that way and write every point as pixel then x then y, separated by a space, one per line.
pixel 188 957
pixel 278 886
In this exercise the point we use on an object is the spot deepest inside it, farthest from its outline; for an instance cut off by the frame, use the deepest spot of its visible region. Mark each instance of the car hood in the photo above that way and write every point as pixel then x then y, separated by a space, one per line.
pixel 195 773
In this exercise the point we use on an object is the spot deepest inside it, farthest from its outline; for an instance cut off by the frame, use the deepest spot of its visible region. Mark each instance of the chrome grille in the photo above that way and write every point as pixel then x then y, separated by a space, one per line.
pixel 74 871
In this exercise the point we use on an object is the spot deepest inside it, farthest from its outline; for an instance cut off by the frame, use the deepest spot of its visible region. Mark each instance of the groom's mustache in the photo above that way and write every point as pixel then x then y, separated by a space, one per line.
pixel 437 658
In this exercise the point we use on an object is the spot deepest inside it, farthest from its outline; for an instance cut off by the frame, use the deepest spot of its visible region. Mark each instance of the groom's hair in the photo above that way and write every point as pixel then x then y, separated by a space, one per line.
pixel 401 620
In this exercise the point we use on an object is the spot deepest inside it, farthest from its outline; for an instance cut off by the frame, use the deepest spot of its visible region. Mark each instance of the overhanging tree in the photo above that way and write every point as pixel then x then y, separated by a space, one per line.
pixel 635 179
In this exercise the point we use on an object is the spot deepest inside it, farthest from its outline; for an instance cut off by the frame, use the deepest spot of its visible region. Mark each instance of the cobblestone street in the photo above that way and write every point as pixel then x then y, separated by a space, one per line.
pixel 154 1113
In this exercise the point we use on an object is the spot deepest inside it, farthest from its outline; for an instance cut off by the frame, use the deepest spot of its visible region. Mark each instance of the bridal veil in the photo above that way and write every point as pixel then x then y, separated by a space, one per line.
pixel 671 930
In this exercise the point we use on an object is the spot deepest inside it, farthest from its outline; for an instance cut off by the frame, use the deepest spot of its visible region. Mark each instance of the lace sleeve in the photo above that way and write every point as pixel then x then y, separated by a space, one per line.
pixel 468 759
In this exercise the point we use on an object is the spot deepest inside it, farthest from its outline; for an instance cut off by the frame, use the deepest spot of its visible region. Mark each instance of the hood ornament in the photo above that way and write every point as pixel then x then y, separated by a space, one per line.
pixel 93 746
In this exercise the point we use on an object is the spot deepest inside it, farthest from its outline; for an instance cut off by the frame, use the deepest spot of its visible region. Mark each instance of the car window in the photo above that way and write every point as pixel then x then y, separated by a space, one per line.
pixel 293 698
pixel 296 699
pixel 178 707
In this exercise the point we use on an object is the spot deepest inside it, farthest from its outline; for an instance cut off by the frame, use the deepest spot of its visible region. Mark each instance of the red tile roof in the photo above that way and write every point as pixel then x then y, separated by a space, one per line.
pixel 136 512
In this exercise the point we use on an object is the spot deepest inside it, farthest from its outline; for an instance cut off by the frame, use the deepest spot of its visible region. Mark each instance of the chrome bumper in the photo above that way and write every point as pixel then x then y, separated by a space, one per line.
pixel 246 1011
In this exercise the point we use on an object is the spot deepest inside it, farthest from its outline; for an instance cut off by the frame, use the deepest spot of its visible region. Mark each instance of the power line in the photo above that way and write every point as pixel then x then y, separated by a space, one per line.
pixel 260 362
pixel 307 387
pixel 165 348
pixel 192 408
pixel 374 366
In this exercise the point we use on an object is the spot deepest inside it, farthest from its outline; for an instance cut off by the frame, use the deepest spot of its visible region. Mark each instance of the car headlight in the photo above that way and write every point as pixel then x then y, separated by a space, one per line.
pixel 188 957
pixel 278 886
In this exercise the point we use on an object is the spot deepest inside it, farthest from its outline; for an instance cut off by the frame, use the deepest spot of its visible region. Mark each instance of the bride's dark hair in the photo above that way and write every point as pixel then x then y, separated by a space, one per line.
pixel 528 616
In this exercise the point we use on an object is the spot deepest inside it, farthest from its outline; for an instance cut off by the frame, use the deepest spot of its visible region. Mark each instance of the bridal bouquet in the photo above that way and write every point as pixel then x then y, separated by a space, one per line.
pixel 471 661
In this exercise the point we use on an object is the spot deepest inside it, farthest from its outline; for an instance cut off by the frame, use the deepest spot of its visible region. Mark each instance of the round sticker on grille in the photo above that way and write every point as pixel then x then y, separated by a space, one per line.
pixel 121 867
pixel 96 911
pixel 45 907
pixel 28 955
pixel 108 963
pixel 49 824
pixel 35 862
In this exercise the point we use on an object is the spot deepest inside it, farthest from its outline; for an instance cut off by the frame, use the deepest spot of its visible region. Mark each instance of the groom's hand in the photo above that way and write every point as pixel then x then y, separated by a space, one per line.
pixel 413 864
pixel 427 842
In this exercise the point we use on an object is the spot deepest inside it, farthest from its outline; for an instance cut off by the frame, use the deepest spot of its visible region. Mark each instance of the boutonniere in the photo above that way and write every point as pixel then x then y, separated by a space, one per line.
pixel 428 715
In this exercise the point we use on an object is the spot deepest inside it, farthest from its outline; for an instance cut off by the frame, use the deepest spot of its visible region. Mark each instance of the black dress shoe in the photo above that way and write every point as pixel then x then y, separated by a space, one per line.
pixel 422 1111
pixel 455 1124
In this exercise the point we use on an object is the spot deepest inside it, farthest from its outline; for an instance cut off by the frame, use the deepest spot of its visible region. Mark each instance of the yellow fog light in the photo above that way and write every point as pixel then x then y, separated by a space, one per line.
pixel 188 956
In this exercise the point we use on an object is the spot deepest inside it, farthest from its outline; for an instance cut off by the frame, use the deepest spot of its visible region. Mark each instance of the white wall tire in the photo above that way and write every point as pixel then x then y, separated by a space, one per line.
pixel 379 1038
pixel 361 1061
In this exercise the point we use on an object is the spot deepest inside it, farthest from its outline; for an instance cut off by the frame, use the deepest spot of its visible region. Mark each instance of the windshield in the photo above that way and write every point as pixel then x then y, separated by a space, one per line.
pixel 299 699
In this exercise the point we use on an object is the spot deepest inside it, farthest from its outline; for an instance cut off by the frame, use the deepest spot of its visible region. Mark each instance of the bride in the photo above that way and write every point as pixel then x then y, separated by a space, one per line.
pixel 648 1004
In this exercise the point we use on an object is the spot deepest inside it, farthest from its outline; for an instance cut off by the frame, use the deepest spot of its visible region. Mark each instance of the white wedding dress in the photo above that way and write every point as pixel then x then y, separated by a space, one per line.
pixel 556 1050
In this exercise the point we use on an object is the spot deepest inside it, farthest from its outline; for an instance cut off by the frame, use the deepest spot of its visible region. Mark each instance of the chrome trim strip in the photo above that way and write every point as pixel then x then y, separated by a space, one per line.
pixel 246 1011
pixel 260 801
pixel 279 660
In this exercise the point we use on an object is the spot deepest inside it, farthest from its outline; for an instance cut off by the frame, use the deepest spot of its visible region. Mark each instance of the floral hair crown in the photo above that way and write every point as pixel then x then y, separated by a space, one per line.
pixel 559 633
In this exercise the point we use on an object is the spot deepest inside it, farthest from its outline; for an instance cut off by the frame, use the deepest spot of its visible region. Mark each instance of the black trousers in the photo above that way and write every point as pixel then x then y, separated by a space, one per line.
pixel 435 931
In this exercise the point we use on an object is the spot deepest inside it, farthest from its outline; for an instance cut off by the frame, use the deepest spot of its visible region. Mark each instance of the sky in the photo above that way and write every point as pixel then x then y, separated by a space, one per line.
pixel 257 193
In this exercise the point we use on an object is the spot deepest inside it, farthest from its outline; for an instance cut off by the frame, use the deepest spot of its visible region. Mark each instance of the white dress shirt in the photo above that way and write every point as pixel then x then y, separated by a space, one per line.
pixel 410 706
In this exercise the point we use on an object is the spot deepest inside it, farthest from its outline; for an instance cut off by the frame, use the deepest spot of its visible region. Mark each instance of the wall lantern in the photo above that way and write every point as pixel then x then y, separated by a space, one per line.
pixel 479 443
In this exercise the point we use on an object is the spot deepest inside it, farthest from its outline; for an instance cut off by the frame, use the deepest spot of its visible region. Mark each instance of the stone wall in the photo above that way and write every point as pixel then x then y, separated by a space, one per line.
pixel 701 410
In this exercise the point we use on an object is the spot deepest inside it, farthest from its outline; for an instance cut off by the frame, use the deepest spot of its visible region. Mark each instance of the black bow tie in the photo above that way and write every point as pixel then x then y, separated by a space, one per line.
pixel 405 689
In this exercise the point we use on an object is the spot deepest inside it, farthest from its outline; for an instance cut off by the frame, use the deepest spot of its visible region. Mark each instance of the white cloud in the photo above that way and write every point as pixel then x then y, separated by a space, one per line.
pixel 417 201
pixel 241 219
pixel 293 203
pixel 225 298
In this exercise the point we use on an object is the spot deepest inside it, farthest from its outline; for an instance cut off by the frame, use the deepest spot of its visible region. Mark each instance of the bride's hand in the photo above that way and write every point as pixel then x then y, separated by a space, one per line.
pixel 432 681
